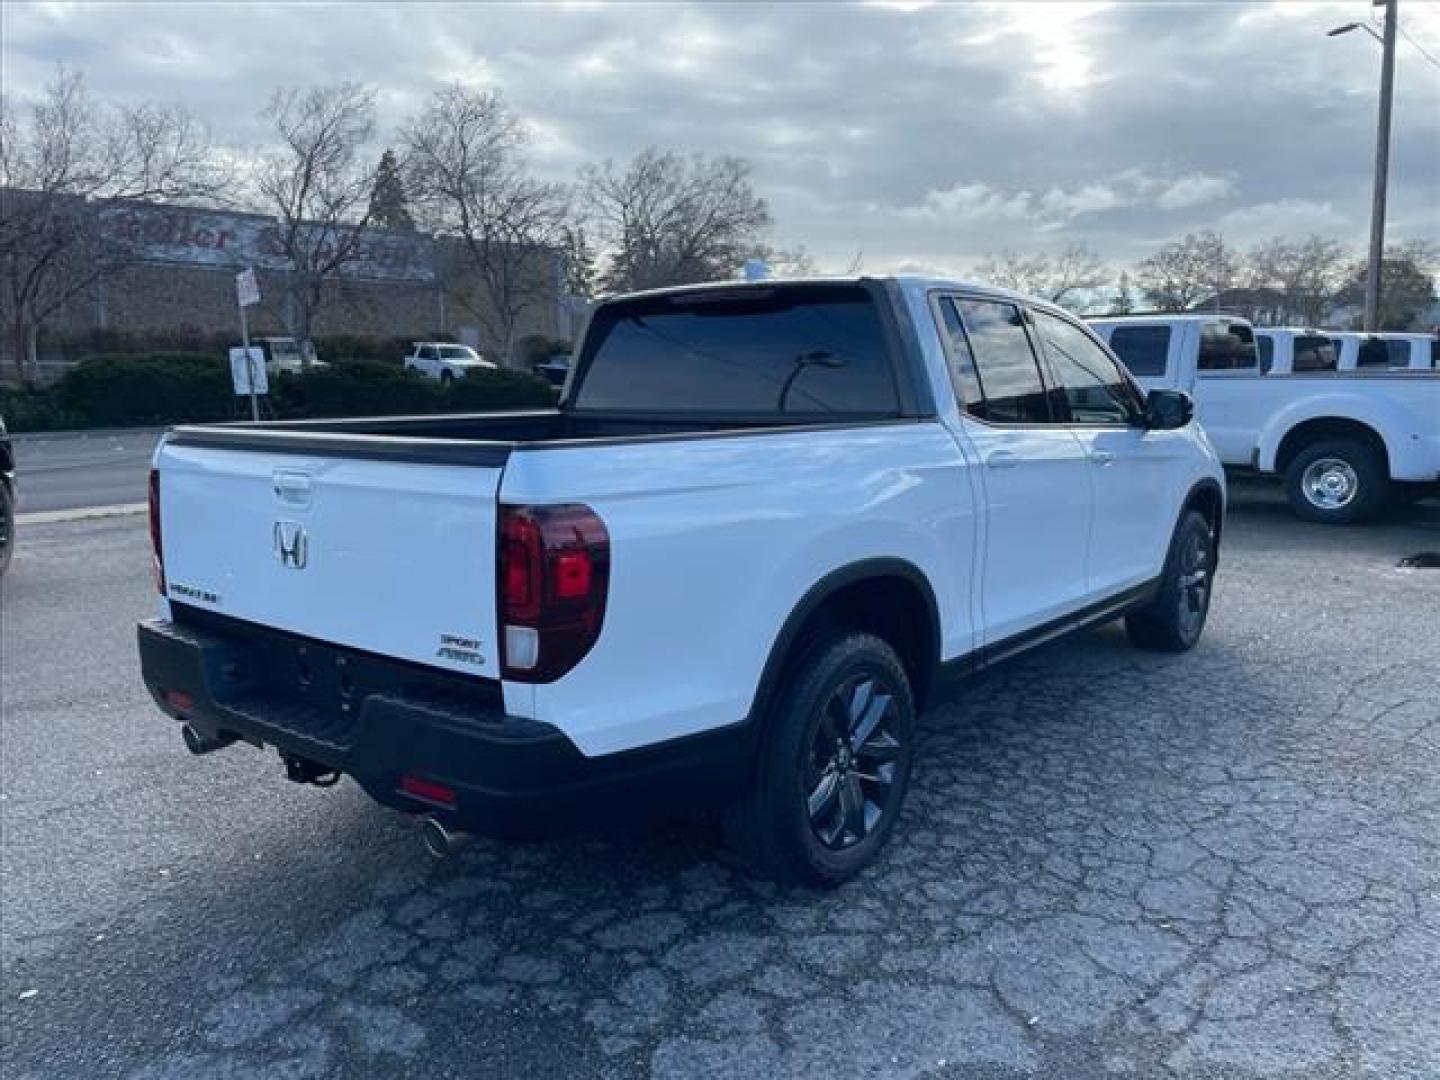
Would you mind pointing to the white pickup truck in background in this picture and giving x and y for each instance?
(1401, 351)
(1344, 442)
(767, 524)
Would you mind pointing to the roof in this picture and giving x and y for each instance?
(1167, 317)
(922, 282)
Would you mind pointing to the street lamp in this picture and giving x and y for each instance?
(1382, 155)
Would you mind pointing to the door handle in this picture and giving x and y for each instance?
(1002, 459)
(1101, 457)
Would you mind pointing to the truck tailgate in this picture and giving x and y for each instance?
(390, 556)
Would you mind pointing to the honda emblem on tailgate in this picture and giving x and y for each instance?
(290, 544)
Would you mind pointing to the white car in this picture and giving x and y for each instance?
(1396, 351)
(1345, 442)
(767, 525)
(445, 361)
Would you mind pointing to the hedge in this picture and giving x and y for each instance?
(171, 388)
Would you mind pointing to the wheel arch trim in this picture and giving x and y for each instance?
(823, 590)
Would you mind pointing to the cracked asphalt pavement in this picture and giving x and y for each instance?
(1112, 864)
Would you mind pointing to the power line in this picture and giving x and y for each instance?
(1420, 48)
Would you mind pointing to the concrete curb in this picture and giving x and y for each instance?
(81, 513)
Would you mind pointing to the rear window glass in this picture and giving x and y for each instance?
(1313, 353)
(790, 350)
(1142, 349)
(1227, 347)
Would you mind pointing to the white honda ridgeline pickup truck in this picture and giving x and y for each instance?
(767, 524)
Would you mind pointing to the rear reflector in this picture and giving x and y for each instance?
(428, 790)
(178, 699)
(157, 551)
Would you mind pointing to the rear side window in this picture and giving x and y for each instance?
(1399, 353)
(960, 358)
(1005, 365)
(1265, 349)
(1227, 347)
(1373, 353)
(789, 350)
(1142, 349)
(1314, 353)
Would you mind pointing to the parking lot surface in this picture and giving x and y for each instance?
(1222, 864)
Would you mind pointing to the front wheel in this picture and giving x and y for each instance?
(1337, 481)
(834, 764)
(1175, 618)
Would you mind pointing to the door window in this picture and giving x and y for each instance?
(1142, 349)
(1095, 390)
(1227, 347)
(1313, 353)
(1007, 374)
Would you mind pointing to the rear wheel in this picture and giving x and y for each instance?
(1337, 481)
(834, 767)
(1175, 619)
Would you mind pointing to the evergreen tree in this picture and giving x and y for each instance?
(579, 263)
(1122, 303)
(387, 197)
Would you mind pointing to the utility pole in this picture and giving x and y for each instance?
(1382, 168)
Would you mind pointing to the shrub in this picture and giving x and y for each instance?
(486, 390)
(171, 388)
(361, 388)
(154, 388)
(349, 348)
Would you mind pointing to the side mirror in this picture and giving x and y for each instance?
(1166, 410)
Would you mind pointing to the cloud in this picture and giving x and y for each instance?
(910, 131)
(1282, 217)
(1197, 189)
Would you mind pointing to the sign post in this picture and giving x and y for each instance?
(247, 294)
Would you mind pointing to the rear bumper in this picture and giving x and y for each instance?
(380, 720)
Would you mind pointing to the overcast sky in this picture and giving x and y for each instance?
(919, 135)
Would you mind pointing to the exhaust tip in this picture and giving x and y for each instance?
(439, 841)
(197, 742)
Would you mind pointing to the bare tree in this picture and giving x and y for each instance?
(670, 220)
(1306, 273)
(469, 177)
(67, 165)
(1198, 266)
(318, 187)
(1061, 279)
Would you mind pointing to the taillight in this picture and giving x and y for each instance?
(157, 551)
(554, 574)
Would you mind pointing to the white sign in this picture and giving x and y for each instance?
(240, 371)
(247, 289)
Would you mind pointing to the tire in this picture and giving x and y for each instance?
(1174, 620)
(1337, 482)
(846, 682)
(7, 526)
